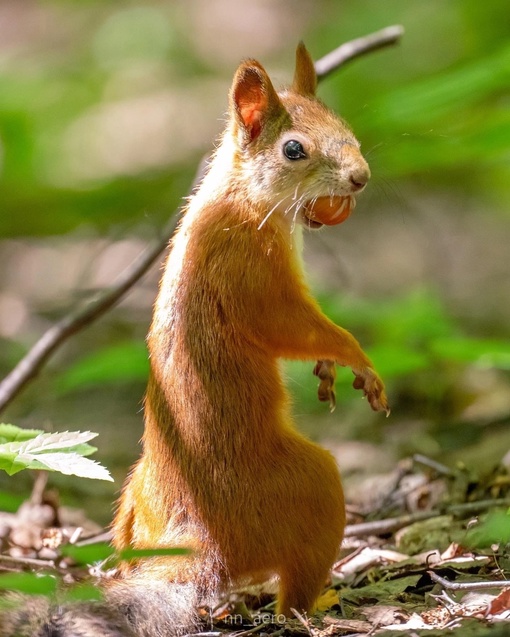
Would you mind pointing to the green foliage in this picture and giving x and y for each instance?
(432, 114)
(405, 337)
(52, 584)
(34, 449)
(494, 528)
(10, 502)
(118, 363)
(91, 553)
(30, 583)
(461, 102)
(431, 119)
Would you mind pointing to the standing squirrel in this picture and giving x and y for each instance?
(223, 471)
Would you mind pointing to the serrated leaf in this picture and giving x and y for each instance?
(42, 443)
(11, 433)
(10, 463)
(63, 451)
(70, 464)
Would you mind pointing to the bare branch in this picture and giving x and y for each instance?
(31, 364)
(390, 525)
(355, 48)
(467, 586)
(35, 359)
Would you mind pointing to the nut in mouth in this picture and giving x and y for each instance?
(327, 210)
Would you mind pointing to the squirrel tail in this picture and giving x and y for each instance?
(131, 608)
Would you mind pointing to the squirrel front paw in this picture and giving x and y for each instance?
(373, 388)
(326, 373)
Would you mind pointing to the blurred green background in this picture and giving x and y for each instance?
(106, 107)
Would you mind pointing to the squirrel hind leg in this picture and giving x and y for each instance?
(301, 584)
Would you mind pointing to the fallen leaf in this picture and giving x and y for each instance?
(380, 615)
(328, 599)
(501, 603)
(335, 625)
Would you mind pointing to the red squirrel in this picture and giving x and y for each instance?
(223, 471)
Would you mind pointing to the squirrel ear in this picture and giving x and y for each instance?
(305, 77)
(252, 98)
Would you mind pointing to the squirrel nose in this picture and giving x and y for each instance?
(359, 178)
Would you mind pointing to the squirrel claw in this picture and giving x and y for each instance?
(373, 388)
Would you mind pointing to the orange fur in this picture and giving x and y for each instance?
(223, 470)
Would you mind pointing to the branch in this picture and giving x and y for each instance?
(390, 525)
(355, 48)
(467, 586)
(32, 363)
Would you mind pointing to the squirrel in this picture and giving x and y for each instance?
(223, 471)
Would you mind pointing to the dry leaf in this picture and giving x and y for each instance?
(380, 615)
(501, 604)
(328, 599)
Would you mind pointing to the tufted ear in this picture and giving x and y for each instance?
(305, 77)
(253, 99)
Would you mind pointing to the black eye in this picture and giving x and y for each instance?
(294, 150)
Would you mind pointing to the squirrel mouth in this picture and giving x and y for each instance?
(328, 211)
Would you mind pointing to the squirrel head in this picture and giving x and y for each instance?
(293, 155)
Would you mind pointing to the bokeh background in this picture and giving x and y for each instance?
(106, 108)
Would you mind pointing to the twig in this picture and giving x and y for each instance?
(467, 586)
(251, 631)
(467, 508)
(32, 363)
(390, 525)
(31, 562)
(433, 464)
(102, 536)
(211, 633)
(306, 623)
(353, 49)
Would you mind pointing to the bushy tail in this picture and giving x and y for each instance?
(156, 609)
(132, 608)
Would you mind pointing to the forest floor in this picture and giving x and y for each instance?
(423, 555)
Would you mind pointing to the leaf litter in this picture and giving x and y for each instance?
(427, 556)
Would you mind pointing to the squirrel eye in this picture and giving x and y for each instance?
(294, 150)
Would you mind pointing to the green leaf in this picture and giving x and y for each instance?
(82, 593)
(61, 452)
(10, 462)
(130, 554)
(381, 590)
(31, 583)
(101, 551)
(11, 433)
(88, 554)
